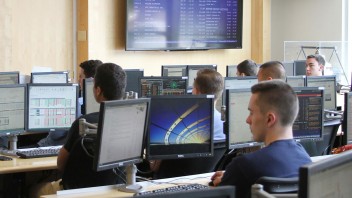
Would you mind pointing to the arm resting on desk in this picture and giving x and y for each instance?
(62, 159)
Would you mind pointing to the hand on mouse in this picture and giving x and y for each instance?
(216, 178)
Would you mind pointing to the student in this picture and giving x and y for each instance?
(273, 108)
(247, 68)
(87, 70)
(315, 65)
(209, 81)
(271, 70)
(109, 84)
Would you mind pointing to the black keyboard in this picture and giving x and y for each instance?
(38, 152)
(179, 188)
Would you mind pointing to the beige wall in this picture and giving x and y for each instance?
(106, 41)
(36, 33)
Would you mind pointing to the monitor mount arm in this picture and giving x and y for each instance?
(86, 128)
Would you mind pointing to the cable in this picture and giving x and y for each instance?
(84, 147)
(117, 174)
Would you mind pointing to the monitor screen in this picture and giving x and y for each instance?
(296, 81)
(174, 70)
(347, 120)
(289, 68)
(299, 67)
(329, 83)
(9, 78)
(49, 77)
(329, 177)
(180, 127)
(192, 72)
(183, 25)
(133, 76)
(244, 82)
(238, 131)
(51, 106)
(12, 109)
(89, 102)
(121, 133)
(154, 86)
(309, 122)
(231, 71)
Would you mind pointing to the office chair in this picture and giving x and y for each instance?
(79, 171)
(276, 185)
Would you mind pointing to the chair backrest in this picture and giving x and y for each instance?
(279, 185)
(79, 171)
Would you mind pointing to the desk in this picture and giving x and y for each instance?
(18, 165)
(111, 191)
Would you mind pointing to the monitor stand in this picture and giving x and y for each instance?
(12, 139)
(130, 186)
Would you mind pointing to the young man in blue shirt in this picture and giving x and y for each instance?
(273, 107)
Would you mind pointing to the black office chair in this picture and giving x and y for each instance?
(190, 166)
(79, 171)
(276, 185)
(324, 146)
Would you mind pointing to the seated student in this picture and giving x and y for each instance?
(211, 82)
(273, 108)
(271, 70)
(109, 84)
(247, 68)
(87, 71)
(315, 65)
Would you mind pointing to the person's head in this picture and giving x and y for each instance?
(315, 65)
(87, 70)
(271, 70)
(208, 81)
(247, 68)
(273, 109)
(109, 82)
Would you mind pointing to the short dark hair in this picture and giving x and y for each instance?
(89, 67)
(209, 81)
(278, 96)
(248, 67)
(320, 59)
(273, 69)
(111, 79)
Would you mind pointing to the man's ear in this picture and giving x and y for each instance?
(269, 78)
(271, 119)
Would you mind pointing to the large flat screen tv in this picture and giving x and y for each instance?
(183, 24)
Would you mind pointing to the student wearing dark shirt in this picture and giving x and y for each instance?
(273, 108)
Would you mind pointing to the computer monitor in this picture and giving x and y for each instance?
(180, 127)
(289, 68)
(238, 132)
(299, 67)
(153, 86)
(174, 70)
(309, 122)
(329, 177)
(89, 102)
(231, 70)
(296, 81)
(243, 82)
(120, 137)
(9, 78)
(192, 72)
(329, 83)
(49, 77)
(347, 119)
(133, 76)
(51, 106)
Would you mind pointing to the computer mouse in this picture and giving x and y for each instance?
(4, 158)
(211, 183)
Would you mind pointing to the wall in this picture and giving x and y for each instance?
(304, 20)
(36, 33)
(106, 41)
